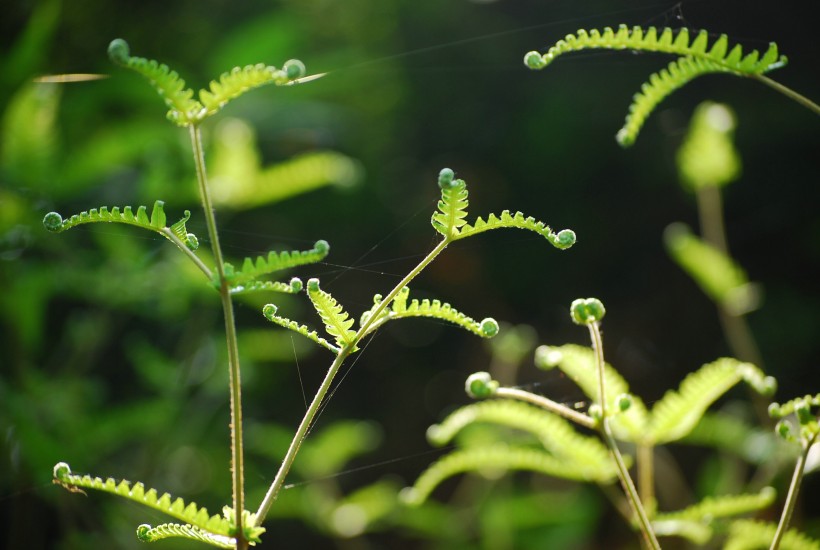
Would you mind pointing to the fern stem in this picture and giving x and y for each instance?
(646, 474)
(623, 472)
(791, 498)
(310, 414)
(188, 252)
(547, 404)
(237, 452)
(788, 92)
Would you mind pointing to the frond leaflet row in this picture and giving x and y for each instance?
(269, 311)
(274, 261)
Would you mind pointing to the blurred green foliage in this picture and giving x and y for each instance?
(111, 356)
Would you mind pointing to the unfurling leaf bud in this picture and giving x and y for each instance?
(118, 51)
(565, 238)
(480, 385)
(445, 178)
(587, 311)
(321, 246)
(534, 60)
(269, 310)
(313, 285)
(294, 69)
(624, 401)
(489, 327)
(52, 221)
(296, 285)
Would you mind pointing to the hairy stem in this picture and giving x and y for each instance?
(788, 92)
(237, 451)
(791, 498)
(546, 403)
(310, 414)
(623, 472)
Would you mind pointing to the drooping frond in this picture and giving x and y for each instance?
(748, 534)
(269, 311)
(696, 58)
(555, 434)
(233, 84)
(579, 364)
(400, 309)
(147, 533)
(55, 223)
(677, 412)
(501, 458)
(452, 209)
(274, 261)
(561, 240)
(717, 274)
(658, 87)
(722, 506)
(183, 109)
(336, 319)
(176, 508)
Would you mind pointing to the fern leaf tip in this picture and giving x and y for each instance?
(313, 285)
(489, 327)
(294, 69)
(143, 533)
(119, 52)
(269, 310)
(445, 178)
(61, 471)
(480, 385)
(321, 246)
(53, 221)
(534, 60)
(586, 311)
(296, 285)
(565, 239)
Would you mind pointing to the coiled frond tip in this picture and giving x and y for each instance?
(296, 285)
(534, 60)
(52, 221)
(585, 311)
(313, 285)
(294, 69)
(321, 246)
(480, 385)
(489, 327)
(565, 239)
(119, 51)
(445, 178)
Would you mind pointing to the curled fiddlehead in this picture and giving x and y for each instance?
(184, 110)
(400, 309)
(696, 58)
(55, 223)
(199, 525)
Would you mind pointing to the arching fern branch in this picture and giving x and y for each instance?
(202, 526)
(184, 110)
(274, 261)
(269, 311)
(177, 233)
(400, 309)
(452, 209)
(500, 458)
(696, 58)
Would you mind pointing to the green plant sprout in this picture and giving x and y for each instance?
(696, 59)
(240, 530)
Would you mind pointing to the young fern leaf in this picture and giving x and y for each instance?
(269, 311)
(183, 109)
(274, 261)
(239, 80)
(561, 240)
(696, 59)
(487, 328)
(452, 208)
(748, 534)
(502, 458)
(336, 319)
(146, 533)
(197, 518)
(677, 413)
(555, 434)
(55, 223)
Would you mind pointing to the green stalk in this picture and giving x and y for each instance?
(791, 498)
(237, 451)
(623, 472)
(788, 92)
(547, 404)
(310, 414)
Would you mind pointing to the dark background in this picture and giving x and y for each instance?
(112, 362)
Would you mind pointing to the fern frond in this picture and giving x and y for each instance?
(183, 109)
(269, 311)
(55, 223)
(696, 59)
(648, 40)
(487, 328)
(336, 319)
(498, 458)
(452, 209)
(147, 533)
(722, 506)
(778, 411)
(747, 534)
(239, 80)
(579, 364)
(176, 508)
(274, 261)
(293, 287)
(555, 434)
(659, 86)
(679, 411)
(693, 531)
(561, 240)
(716, 273)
